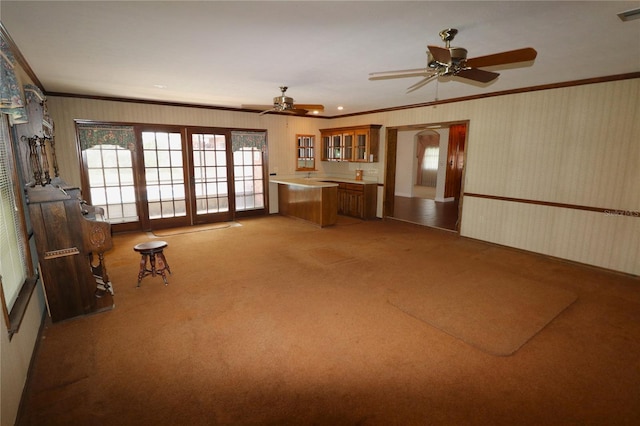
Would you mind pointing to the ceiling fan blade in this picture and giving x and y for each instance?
(297, 111)
(312, 107)
(476, 74)
(416, 72)
(266, 111)
(421, 83)
(440, 54)
(512, 56)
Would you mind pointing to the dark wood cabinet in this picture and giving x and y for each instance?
(357, 200)
(357, 144)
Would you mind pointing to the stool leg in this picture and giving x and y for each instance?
(164, 261)
(143, 267)
(152, 260)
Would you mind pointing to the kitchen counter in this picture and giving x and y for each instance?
(308, 199)
(308, 182)
(318, 181)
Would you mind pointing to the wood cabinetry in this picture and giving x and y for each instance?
(357, 200)
(316, 204)
(358, 143)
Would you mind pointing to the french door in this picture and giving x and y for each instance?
(182, 175)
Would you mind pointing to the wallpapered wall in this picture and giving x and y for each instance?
(575, 145)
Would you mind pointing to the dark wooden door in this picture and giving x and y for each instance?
(455, 160)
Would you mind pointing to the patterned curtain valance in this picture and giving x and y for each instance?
(11, 99)
(91, 135)
(257, 140)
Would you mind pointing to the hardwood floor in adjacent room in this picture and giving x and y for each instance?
(427, 212)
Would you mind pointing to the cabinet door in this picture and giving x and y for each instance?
(348, 143)
(361, 146)
(326, 147)
(337, 147)
(332, 147)
(343, 205)
(305, 152)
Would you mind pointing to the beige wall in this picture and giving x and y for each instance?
(575, 145)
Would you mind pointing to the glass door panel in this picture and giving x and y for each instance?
(164, 176)
(248, 181)
(210, 177)
(347, 152)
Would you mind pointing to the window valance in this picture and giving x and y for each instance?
(257, 140)
(91, 135)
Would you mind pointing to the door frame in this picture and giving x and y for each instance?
(388, 193)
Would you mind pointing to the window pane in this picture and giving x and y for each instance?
(164, 158)
(148, 141)
(128, 194)
(175, 141)
(96, 178)
(126, 176)
(111, 177)
(94, 157)
(153, 192)
(154, 210)
(162, 140)
(98, 196)
(150, 159)
(113, 195)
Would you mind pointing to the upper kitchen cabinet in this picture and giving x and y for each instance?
(358, 143)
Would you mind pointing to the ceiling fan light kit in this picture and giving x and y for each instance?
(451, 61)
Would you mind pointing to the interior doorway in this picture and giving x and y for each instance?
(424, 174)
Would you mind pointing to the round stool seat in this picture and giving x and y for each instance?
(151, 252)
(151, 246)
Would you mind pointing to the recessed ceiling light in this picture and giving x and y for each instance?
(159, 86)
(340, 108)
(630, 14)
(316, 112)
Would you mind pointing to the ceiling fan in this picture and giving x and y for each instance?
(285, 104)
(452, 61)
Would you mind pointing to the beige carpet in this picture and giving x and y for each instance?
(279, 322)
(497, 313)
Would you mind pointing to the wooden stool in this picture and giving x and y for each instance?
(149, 251)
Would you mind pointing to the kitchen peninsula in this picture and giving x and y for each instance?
(308, 199)
(321, 200)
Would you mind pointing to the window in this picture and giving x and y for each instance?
(248, 166)
(111, 181)
(107, 154)
(15, 272)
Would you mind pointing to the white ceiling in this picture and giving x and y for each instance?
(234, 53)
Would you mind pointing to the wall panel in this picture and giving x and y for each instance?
(575, 145)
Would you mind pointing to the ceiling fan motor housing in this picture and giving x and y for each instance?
(283, 103)
(458, 55)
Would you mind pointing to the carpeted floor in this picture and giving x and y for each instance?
(278, 322)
